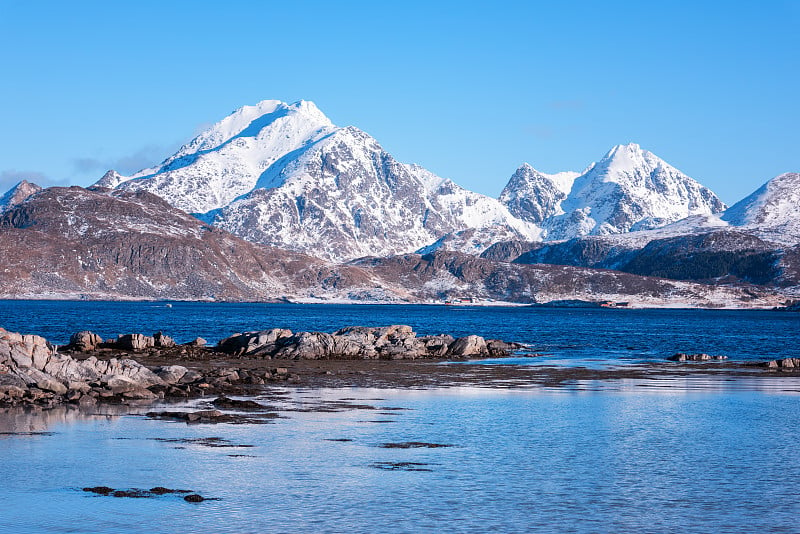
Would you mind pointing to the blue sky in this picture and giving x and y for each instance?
(468, 90)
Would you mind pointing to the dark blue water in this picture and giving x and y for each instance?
(564, 333)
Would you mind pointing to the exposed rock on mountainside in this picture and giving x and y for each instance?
(629, 189)
(345, 197)
(451, 275)
(73, 242)
(535, 196)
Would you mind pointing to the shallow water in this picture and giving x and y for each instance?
(624, 458)
(587, 334)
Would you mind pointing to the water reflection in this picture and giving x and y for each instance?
(635, 455)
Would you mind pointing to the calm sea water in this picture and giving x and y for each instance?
(716, 455)
(636, 460)
(562, 333)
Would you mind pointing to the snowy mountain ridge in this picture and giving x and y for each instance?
(628, 189)
(228, 159)
(284, 175)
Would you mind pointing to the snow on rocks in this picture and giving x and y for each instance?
(628, 189)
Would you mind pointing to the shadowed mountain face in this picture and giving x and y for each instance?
(118, 244)
(710, 257)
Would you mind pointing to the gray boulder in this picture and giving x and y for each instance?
(134, 342)
(84, 341)
(254, 343)
(468, 346)
(171, 374)
(162, 341)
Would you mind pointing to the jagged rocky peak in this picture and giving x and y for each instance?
(227, 160)
(774, 207)
(110, 179)
(629, 189)
(534, 196)
(17, 195)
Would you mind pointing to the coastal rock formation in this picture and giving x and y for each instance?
(699, 357)
(395, 342)
(786, 364)
(31, 368)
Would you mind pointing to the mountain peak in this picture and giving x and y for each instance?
(227, 159)
(629, 189)
(533, 196)
(774, 207)
(17, 195)
(624, 150)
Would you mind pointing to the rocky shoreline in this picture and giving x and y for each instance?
(90, 369)
(136, 368)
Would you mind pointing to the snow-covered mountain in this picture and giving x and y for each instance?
(228, 159)
(17, 195)
(628, 189)
(284, 175)
(345, 197)
(772, 211)
(534, 196)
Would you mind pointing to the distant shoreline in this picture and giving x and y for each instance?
(487, 304)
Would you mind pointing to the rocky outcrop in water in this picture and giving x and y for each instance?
(396, 342)
(786, 364)
(31, 370)
(699, 357)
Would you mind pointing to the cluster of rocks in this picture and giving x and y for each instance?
(87, 341)
(33, 372)
(396, 342)
(699, 357)
(135, 493)
(786, 364)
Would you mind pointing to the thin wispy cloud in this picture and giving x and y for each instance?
(141, 159)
